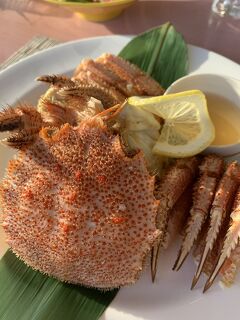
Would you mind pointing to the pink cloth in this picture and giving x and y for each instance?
(19, 22)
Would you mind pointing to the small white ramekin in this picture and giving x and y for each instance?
(215, 84)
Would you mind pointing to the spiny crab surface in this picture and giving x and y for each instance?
(75, 206)
(80, 205)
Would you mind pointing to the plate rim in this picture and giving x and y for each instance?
(77, 42)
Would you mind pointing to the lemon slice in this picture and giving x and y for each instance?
(187, 128)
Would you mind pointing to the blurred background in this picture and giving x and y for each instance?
(21, 20)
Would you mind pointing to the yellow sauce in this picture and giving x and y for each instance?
(226, 119)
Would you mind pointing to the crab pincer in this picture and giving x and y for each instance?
(210, 170)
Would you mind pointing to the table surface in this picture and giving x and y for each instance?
(20, 20)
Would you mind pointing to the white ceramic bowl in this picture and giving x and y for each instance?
(220, 85)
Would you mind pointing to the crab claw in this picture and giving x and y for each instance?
(24, 120)
(220, 207)
(230, 243)
(211, 170)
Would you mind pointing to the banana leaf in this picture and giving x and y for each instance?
(160, 52)
(26, 294)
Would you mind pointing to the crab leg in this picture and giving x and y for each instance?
(114, 71)
(222, 200)
(230, 267)
(172, 186)
(231, 240)
(132, 74)
(178, 215)
(102, 94)
(68, 88)
(100, 73)
(211, 169)
(57, 80)
(25, 122)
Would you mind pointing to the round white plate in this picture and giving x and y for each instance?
(170, 298)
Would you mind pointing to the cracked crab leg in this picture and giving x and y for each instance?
(117, 72)
(230, 243)
(92, 79)
(25, 122)
(179, 215)
(68, 88)
(222, 200)
(171, 187)
(210, 169)
(102, 94)
(100, 73)
(132, 74)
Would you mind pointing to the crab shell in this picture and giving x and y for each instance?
(78, 209)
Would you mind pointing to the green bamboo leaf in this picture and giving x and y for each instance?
(26, 294)
(160, 52)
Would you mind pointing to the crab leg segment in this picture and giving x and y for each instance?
(178, 216)
(25, 121)
(211, 170)
(114, 71)
(56, 80)
(222, 200)
(230, 267)
(132, 74)
(96, 92)
(230, 242)
(101, 73)
(172, 186)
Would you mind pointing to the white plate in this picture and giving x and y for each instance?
(170, 297)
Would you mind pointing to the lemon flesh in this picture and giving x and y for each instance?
(187, 128)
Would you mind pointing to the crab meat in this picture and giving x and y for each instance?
(74, 94)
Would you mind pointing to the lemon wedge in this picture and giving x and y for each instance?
(187, 128)
(140, 130)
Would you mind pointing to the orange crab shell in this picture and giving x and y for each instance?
(77, 208)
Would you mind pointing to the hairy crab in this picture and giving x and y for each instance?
(75, 206)
(80, 205)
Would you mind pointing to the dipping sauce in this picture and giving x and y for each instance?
(226, 119)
